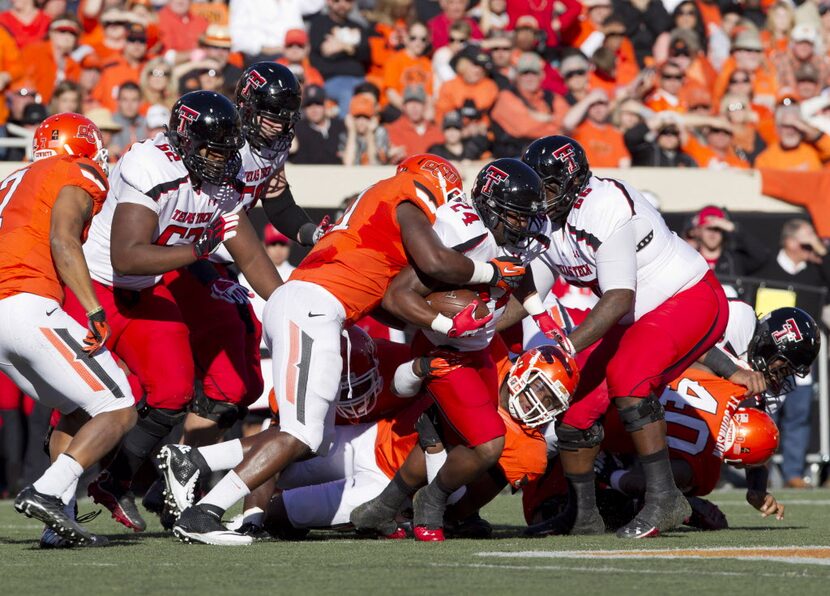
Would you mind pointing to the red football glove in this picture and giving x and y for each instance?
(441, 362)
(99, 331)
(230, 291)
(552, 330)
(215, 233)
(507, 273)
(322, 228)
(465, 323)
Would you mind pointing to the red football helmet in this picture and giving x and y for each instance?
(360, 382)
(752, 438)
(440, 178)
(69, 134)
(541, 384)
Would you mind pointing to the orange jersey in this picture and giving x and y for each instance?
(397, 437)
(358, 258)
(26, 200)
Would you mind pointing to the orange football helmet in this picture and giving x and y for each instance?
(441, 179)
(69, 134)
(541, 384)
(752, 438)
(360, 383)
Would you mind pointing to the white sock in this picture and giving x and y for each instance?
(227, 491)
(253, 515)
(68, 495)
(60, 476)
(434, 463)
(222, 456)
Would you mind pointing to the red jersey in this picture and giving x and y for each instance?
(27, 196)
(357, 259)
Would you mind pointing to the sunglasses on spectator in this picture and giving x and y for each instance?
(418, 38)
(701, 106)
(740, 81)
(458, 39)
(720, 131)
(686, 13)
(807, 247)
(117, 24)
(576, 73)
(136, 40)
(671, 77)
(614, 34)
(158, 72)
(670, 132)
(295, 45)
(501, 48)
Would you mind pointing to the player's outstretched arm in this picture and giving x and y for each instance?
(248, 253)
(607, 312)
(757, 479)
(132, 250)
(70, 214)
(284, 213)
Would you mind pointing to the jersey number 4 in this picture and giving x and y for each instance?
(693, 394)
(7, 188)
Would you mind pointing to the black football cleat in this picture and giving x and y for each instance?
(153, 500)
(181, 476)
(471, 527)
(567, 524)
(374, 515)
(118, 499)
(52, 512)
(661, 513)
(202, 524)
(706, 515)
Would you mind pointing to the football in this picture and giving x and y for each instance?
(452, 301)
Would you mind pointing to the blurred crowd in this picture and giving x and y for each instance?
(666, 83)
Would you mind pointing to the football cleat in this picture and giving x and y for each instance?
(181, 476)
(658, 515)
(472, 527)
(373, 515)
(153, 500)
(425, 534)
(398, 534)
(706, 515)
(119, 500)
(427, 517)
(202, 524)
(51, 511)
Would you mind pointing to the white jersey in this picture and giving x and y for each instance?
(666, 265)
(256, 172)
(151, 174)
(459, 226)
(739, 330)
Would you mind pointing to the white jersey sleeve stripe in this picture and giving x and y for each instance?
(94, 179)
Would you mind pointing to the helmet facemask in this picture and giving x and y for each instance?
(536, 399)
(560, 199)
(518, 227)
(358, 394)
(213, 162)
(268, 132)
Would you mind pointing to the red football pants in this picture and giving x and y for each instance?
(224, 338)
(638, 360)
(150, 336)
(468, 397)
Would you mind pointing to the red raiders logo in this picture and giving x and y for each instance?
(445, 170)
(186, 116)
(493, 176)
(789, 332)
(84, 132)
(254, 80)
(566, 154)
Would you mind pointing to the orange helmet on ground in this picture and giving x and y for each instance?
(360, 382)
(542, 383)
(69, 134)
(440, 180)
(752, 438)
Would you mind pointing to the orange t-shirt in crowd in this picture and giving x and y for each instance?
(764, 82)
(513, 115)
(25, 34)
(180, 33)
(603, 144)
(402, 69)
(810, 190)
(381, 48)
(10, 63)
(455, 92)
(708, 158)
(804, 158)
(402, 133)
(212, 12)
(358, 258)
(27, 198)
(113, 75)
(40, 67)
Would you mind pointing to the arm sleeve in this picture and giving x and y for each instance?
(543, 277)
(406, 383)
(130, 184)
(285, 215)
(617, 260)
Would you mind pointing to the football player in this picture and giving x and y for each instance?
(342, 279)
(660, 309)
(505, 218)
(174, 199)
(45, 211)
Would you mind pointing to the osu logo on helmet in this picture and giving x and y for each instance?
(436, 174)
(752, 438)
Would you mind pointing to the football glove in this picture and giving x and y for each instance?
(465, 323)
(441, 362)
(230, 291)
(215, 233)
(507, 273)
(99, 331)
(548, 325)
(427, 432)
(309, 234)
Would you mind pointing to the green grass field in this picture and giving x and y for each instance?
(773, 560)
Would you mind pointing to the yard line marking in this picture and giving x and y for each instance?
(784, 500)
(620, 570)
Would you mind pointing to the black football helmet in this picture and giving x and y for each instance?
(206, 132)
(563, 167)
(786, 343)
(268, 97)
(510, 193)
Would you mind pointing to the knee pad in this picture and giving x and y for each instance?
(636, 417)
(225, 414)
(158, 422)
(574, 439)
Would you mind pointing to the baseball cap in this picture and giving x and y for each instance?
(157, 116)
(362, 105)
(414, 93)
(707, 213)
(452, 120)
(529, 62)
(572, 63)
(296, 37)
(804, 32)
(807, 72)
(34, 113)
(474, 54)
(102, 118)
(314, 95)
(527, 22)
(270, 235)
(748, 39)
(136, 32)
(65, 24)
(216, 36)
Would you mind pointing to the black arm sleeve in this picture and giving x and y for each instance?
(285, 215)
(720, 363)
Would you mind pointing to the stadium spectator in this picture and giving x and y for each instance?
(11, 70)
(807, 81)
(799, 147)
(472, 87)
(156, 84)
(46, 63)
(412, 132)
(747, 55)
(19, 95)
(179, 27)
(442, 57)
(66, 98)
(388, 24)
(529, 37)
(111, 43)
(258, 27)
(500, 46)
(452, 11)
(717, 150)
(25, 22)
(295, 57)
(318, 138)
(33, 115)
(553, 18)
(644, 21)
(780, 22)
(525, 111)
(686, 24)
(278, 247)
(409, 66)
(575, 69)
(685, 51)
(727, 248)
(802, 259)
(123, 68)
(588, 123)
(88, 79)
(804, 50)
(668, 96)
(492, 16)
(615, 43)
(656, 143)
(455, 147)
(367, 143)
(747, 143)
(586, 33)
(102, 118)
(216, 44)
(128, 117)
(157, 118)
